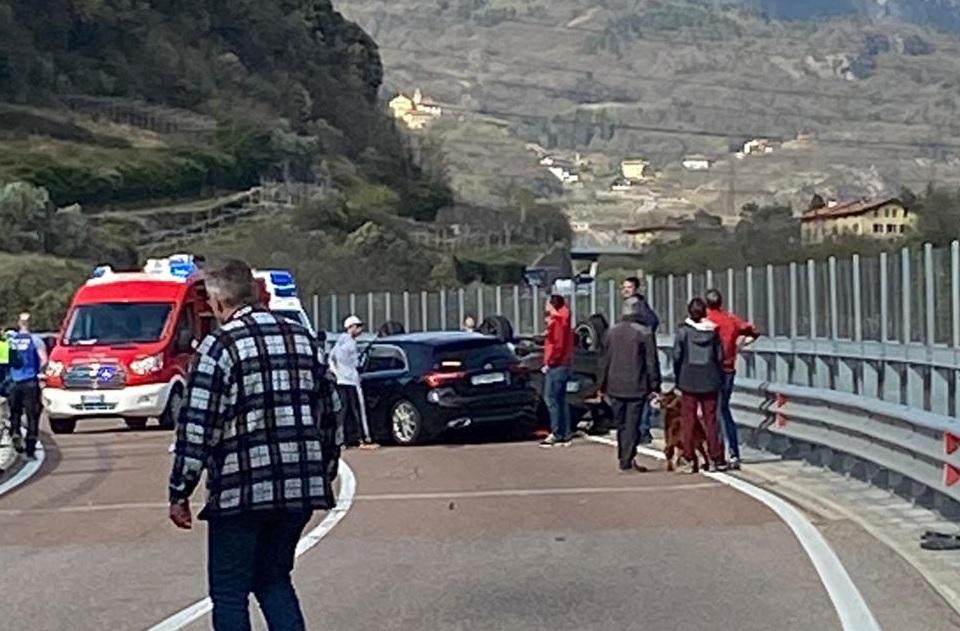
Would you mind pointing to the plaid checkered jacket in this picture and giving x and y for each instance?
(258, 416)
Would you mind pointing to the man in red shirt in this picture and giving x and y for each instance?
(557, 362)
(734, 334)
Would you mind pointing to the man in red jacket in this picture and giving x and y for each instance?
(734, 331)
(557, 362)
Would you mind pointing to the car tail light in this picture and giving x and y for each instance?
(439, 379)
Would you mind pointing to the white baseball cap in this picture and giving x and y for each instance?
(352, 321)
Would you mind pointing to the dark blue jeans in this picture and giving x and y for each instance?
(254, 553)
(555, 396)
(645, 435)
(726, 415)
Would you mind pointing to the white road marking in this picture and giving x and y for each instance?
(25, 473)
(348, 490)
(851, 608)
(391, 497)
(599, 490)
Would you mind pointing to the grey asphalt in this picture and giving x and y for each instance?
(477, 536)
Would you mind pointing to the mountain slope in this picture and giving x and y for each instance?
(661, 79)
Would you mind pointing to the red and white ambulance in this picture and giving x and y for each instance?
(126, 344)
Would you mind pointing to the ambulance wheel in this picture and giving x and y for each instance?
(63, 425)
(168, 420)
(136, 423)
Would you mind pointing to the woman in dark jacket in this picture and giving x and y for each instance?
(698, 370)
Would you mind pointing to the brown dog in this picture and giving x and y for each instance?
(672, 424)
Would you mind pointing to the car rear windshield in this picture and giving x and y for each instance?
(473, 355)
(117, 323)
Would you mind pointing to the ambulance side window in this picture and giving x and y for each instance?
(184, 334)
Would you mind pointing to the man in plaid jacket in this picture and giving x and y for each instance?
(258, 417)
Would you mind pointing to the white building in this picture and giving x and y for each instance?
(696, 163)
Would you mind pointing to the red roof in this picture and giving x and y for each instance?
(856, 207)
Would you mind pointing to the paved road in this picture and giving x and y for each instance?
(477, 536)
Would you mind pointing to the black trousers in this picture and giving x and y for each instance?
(254, 553)
(25, 399)
(625, 415)
(350, 419)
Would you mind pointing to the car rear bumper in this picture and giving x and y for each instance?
(146, 400)
(457, 411)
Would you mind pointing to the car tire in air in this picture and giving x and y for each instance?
(63, 425)
(497, 326)
(590, 334)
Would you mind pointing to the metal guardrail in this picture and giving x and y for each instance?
(893, 446)
(889, 444)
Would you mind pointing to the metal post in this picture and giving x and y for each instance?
(535, 310)
(905, 291)
(424, 315)
(406, 311)
(955, 292)
(443, 309)
(316, 312)
(750, 314)
(353, 304)
(387, 306)
(709, 279)
(771, 305)
(651, 281)
(498, 299)
(480, 297)
(671, 305)
(857, 301)
(884, 299)
(794, 303)
(730, 301)
(334, 313)
(370, 313)
(689, 287)
(929, 289)
(573, 306)
(593, 297)
(812, 296)
(834, 306)
(516, 308)
(461, 307)
(611, 301)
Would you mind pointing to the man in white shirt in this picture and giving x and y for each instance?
(345, 364)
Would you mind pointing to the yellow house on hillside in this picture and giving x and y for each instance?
(879, 218)
(634, 169)
(414, 111)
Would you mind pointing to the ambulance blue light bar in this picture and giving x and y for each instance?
(284, 285)
(100, 271)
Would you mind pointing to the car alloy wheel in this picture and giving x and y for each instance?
(405, 423)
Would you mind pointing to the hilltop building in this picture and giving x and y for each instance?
(884, 218)
(416, 111)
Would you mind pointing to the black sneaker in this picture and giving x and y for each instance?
(646, 440)
(734, 464)
(719, 467)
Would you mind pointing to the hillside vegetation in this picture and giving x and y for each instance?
(112, 105)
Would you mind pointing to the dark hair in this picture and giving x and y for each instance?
(714, 299)
(697, 309)
(633, 280)
(557, 301)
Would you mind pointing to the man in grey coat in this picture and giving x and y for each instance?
(629, 375)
